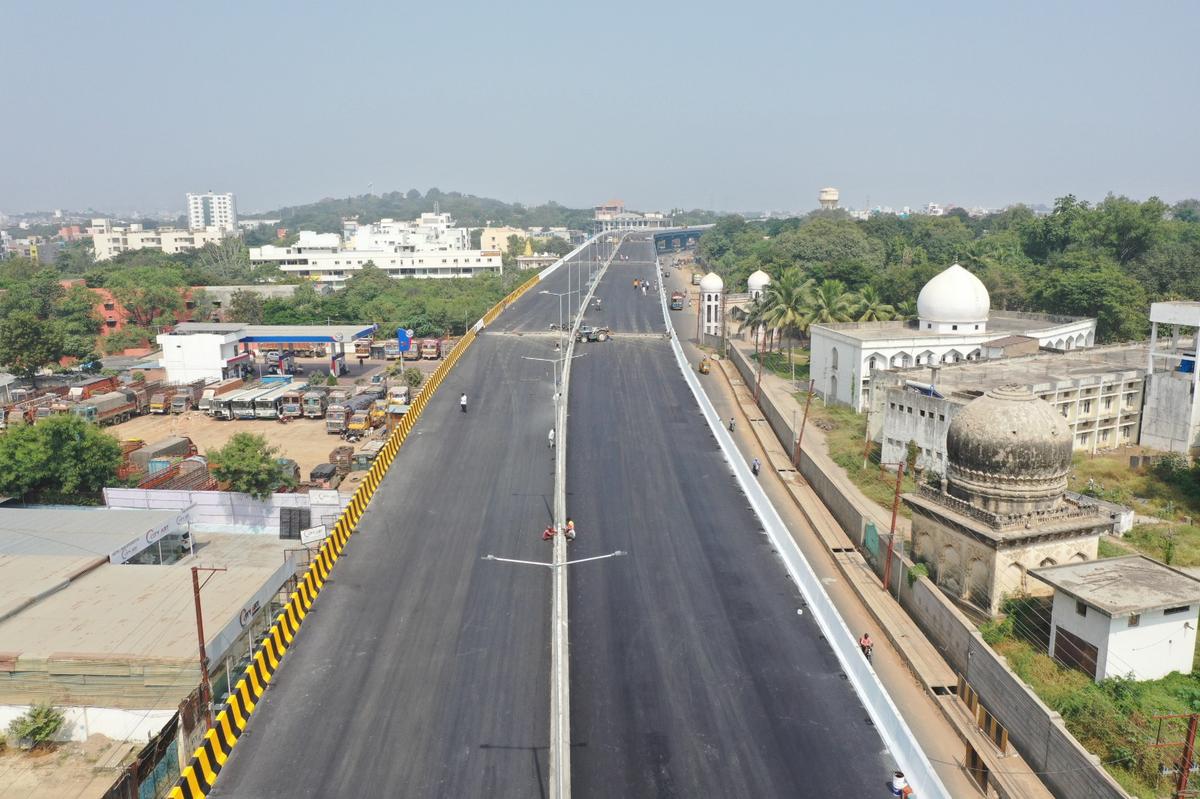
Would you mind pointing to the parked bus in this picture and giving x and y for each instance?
(266, 406)
(243, 404)
(222, 404)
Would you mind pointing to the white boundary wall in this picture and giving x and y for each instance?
(81, 722)
(226, 511)
(888, 721)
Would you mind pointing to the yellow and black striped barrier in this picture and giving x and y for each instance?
(201, 772)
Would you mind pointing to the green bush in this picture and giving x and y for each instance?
(917, 571)
(37, 726)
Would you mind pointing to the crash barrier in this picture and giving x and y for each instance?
(207, 761)
(884, 714)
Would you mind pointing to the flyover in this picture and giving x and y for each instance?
(423, 672)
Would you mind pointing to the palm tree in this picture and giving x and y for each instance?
(872, 308)
(787, 302)
(831, 302)
(907, 310)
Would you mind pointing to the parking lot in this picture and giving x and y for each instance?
(303, 440)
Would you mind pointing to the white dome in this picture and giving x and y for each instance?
(712, 282)
(954, 296)
(758, 281)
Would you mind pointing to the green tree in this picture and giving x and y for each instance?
(413, 377)
(38, 725)
(60, 459)
(248, 464)
(28, 343)
(830, 302)
(788, 300)
(150, 295)
(226, 262)
(246, 306)
(871, 308)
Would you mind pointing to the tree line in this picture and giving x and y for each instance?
(1109, 260)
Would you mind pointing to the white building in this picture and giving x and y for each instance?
(426, 247)
(954, 323)
(213, 351)
(1097, 391)
(613, 216)
(1172, 399)
(712, 290)
(109, 240)
(429, 233)
(1122, 617)
(212, 211)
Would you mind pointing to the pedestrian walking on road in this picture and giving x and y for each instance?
(731, 422)
(551, 436)
(462, 402)
(755, 465)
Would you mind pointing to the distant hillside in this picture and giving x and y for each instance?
(326, 215)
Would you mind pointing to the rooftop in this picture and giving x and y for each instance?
(1040, 371)
(999, 322)
(1125, 585)
(125, 634)
(279, 333)
(1005, 341)
(93, 533)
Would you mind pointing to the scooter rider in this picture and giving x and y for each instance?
(866, 645)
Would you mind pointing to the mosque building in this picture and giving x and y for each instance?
(955, 323)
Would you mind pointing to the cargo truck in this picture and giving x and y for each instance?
(676, 300)
(291, 403)
(413, 353)
(104, 409)
(314, 404)
(159, 402)
(362, 348)
(391, 349)
(187, 397)
(337, 416)
(431, 349)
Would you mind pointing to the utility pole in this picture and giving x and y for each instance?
(1187, 757)
(887, 565)
(205, 685)
(803, 423)
(867, 439)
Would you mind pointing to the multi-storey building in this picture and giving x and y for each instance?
(426, 247)
(109, 240)
(212, 211)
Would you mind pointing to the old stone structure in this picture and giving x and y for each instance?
(1001, 509)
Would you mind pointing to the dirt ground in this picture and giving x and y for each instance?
(303, 440)
(69, 770)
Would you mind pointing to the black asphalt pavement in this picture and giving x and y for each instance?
(691, 673)
(423, 670)
(535, 311)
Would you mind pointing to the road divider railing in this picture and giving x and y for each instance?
(199, 776)
(894, 731)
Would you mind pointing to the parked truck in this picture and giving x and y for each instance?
(391, 349)
(431, 349)
(187, 397)
(413, 353)
(337, 417)
(91, 387)
(362, 348)
(111, 407)
(291, 403)
(159, 402)
(314, 404)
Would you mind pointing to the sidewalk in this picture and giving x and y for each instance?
(919, 681)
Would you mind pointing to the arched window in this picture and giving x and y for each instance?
(834, 358)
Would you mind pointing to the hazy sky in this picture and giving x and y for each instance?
(744, 105)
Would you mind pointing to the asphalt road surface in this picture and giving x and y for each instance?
(535, 311)
(423, 671)
(691, 672)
